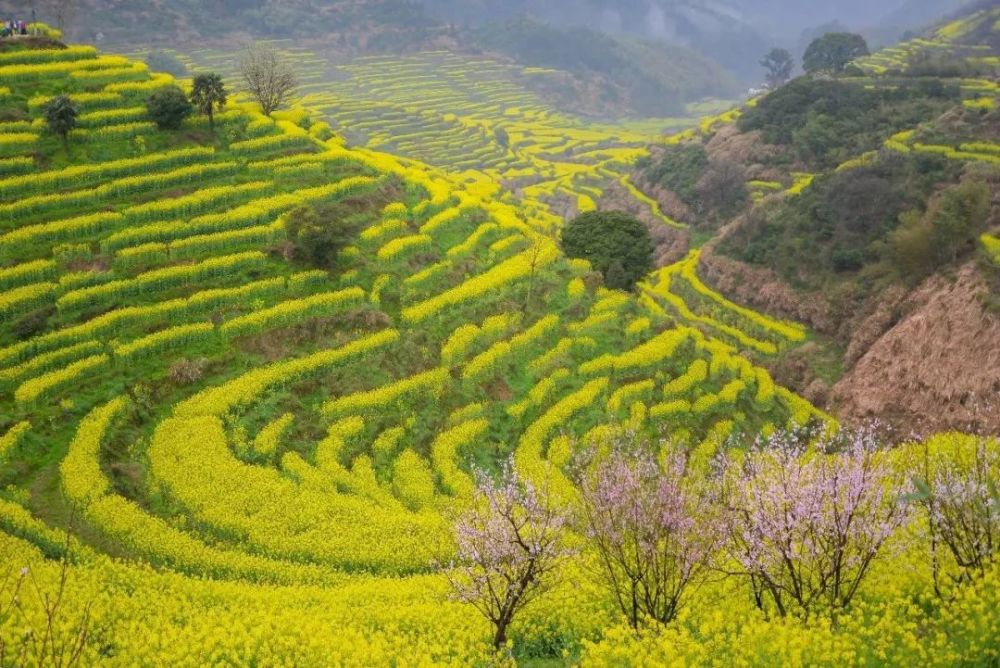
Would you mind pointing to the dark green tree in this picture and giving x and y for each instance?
(616, 244)
(833, 52)
(778, 64)
(208, 93)
(60, 114)
(317, 235)
(168, 107)
(502, 138)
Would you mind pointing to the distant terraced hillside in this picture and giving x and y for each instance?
(477, 115)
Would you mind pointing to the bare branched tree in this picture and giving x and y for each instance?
(63, 13)
(270, 80)
(57, 641)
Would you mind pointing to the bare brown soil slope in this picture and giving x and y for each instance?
(938, 368)
(921, 362)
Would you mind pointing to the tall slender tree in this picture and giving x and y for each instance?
(208, 94)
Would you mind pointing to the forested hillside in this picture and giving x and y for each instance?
(863, 191)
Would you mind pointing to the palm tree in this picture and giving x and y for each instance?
(207, 94)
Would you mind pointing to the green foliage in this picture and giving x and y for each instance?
(947, 231)
(168, 107)
(841, 223)
(60, 115)
(318, 234)
(615, 243)
(208, 94)
(679, 170)
(778, 65)
(833, 52)
(502, 137)
(827, 122)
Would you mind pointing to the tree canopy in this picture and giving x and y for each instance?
(208, 94)
(833, 52)
(318, 234)
(615, 243)
(778, 64)
(168, 107)
(60, 115)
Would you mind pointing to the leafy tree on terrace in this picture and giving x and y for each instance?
(208, 94)
(269, 79)
(168, 107)
(318, 235)
(833, 52)
(615, 243)
(60, 114)
(779, 65)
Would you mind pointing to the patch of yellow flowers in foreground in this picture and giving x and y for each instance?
(366, 620)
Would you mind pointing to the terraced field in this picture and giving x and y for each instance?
(451, 112)
(204, 406)
(246, 461)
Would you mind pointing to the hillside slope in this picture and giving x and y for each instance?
(207, 416)
(861, 205)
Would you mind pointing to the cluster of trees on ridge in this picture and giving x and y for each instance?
(269, 80)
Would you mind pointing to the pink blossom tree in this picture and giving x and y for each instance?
(510, 545)
(805, 527)
(650, 532)
(962, 502)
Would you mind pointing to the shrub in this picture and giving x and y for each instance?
(168, 107)
(615, 243)
(161, 61)
(317, 238)
(948, 230)
(679, 170)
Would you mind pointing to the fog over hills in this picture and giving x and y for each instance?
(732, 33)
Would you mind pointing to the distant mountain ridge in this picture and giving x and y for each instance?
(733, 33)
(647, 57)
